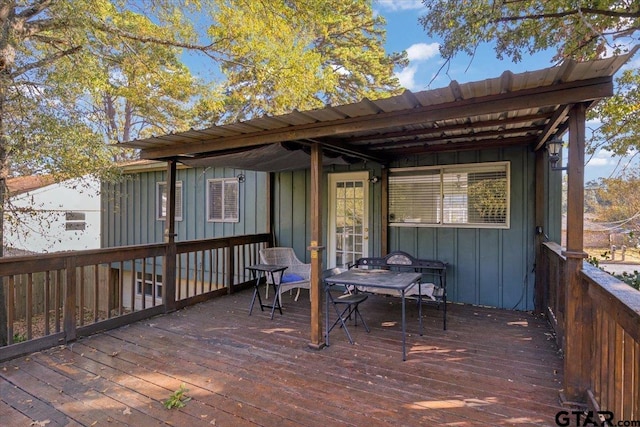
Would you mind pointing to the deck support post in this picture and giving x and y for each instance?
(578, 310)
(169, 265)
(316, 248)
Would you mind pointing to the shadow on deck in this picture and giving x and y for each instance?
(491, 367)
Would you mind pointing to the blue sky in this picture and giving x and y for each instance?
(405, 33)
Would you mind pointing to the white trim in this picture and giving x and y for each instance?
(462, 168)
(224, 181)
(179, 198)
(333, 178)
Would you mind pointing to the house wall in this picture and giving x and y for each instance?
(43, 226)
(492, 267)
(130, 207)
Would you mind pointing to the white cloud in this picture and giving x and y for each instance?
(400, 4)
(422, 51)
(407, 77)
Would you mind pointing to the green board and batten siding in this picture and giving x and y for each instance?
(492, 267)
(130, 215)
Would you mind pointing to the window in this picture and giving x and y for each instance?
(149, 284)
(75, 221)
(161, 198)
(223, 200)
(474, 195)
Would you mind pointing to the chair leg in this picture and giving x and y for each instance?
(349, 311)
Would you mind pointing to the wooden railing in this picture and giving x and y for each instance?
(612, 371)
(55, 298)
(553, 269)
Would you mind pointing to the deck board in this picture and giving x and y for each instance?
(491, 367)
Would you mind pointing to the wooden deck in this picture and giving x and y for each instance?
(491, 367)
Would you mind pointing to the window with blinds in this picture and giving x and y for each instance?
(161, 198)
(459, 195)
(223, 201)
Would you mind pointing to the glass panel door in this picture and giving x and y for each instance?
(348, 218)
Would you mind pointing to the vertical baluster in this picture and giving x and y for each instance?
(29, 311)
(201, 268)
(96, 292)
(81, 302)
(144, 283)
(58, 298)
(211, 268)
(179, 281)
(134, 274)
(47, 302)
(153, 282)
(217, 268)
(10, 308)
(121, 290)
(188, 273)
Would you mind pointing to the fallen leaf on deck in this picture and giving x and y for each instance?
(126, 411)
(40, 423)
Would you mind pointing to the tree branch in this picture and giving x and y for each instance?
(34, 10)
(45, 61)
(583, 10)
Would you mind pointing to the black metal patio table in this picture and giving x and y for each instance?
(262, 270)
(376, 278)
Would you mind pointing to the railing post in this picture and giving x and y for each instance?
(578, 314)
(70, 320)
(541, 294)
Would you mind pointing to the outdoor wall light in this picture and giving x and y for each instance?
(554, 145)
(374, 179)
(241, 177)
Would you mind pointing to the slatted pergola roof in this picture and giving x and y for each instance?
(510, 110)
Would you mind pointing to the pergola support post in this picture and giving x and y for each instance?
(542, 282)
(578, 311)
(316, 248)
(169, 265)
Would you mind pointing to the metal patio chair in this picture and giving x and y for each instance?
(345, 305)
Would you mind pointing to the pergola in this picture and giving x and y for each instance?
(524, 109)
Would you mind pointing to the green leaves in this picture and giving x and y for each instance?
(573, 29)
(280, 56)
(177, 399)
(580, 30)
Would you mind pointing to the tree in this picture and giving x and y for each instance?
(608, 194)
(301, 55)
(573, 29)
(75, 74)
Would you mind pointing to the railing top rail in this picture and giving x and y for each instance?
(220, 242)
(555, 248)
(620, 300)
(60, 260)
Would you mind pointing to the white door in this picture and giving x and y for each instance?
(348, 218)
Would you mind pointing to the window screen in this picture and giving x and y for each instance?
(161, 197)
(461, 195)
(223, 200)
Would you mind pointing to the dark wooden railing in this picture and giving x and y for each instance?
(55, 298)
(613, 331)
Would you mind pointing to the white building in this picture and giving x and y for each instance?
(42, 216)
